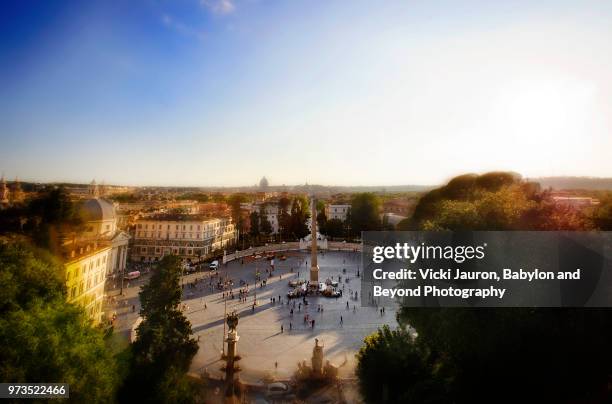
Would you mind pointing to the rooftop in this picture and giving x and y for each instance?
(178, 217)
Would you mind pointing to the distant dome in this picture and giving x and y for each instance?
(98, 209)
(263, 183)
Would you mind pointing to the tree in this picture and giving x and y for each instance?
(51, 216)
(284, 218)
(322, 221)
(45, 339)
(548, 355)
(335, 228)
(254, 230)
(493, 201)
(235, 200)
(603, 215)
(163, 350)
(511, 354)
(265, 226)
(365, 209)
(299, 216)
(392, 368)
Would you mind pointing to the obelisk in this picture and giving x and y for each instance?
(314, 268)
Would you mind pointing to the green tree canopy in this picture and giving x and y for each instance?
(506, 354)
(335, 228)
(299, 215)
(365, 212)
(265, 226)
(45, 339)
(392, 368)
(163, 351)
(254, 228)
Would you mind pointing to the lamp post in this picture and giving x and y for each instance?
(224, 317)
(122, 273)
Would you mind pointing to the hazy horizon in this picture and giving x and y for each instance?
(217, 93)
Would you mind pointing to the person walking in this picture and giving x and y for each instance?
(282, 329)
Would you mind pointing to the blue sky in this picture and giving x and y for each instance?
(221, 92)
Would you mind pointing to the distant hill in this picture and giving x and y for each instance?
(587, 183)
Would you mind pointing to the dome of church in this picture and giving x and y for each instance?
(263, 183)
(98, 209)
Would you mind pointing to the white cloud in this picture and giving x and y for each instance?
(219, 6)
(181, 28)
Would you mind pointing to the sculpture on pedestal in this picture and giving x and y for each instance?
(232, 384)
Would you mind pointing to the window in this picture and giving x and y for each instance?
(73, 292)
(68, 273)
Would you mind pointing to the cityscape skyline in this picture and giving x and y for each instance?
(204, 93)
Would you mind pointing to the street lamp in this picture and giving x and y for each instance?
(224, 317)
(122, 273)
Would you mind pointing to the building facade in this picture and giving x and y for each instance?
(192, 237)
(101, 225)
(339, 212)
(86, 265)
(270, 210)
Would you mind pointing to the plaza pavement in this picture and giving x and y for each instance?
(265, 351)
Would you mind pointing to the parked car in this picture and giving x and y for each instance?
(296, 282)
(214, 265)
(277, 389)
(332, 283)
(297, 292)
(132, 275)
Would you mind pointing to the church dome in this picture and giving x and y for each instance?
(98, 209)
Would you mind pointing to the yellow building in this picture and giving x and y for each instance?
(86, 265)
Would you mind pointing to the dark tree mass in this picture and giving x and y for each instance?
(511, 355)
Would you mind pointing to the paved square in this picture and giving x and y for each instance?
(264, 349)
(262, 345)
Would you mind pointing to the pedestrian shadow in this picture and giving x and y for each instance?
(273, 335)
(245, 313)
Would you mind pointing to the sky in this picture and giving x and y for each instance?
(223, 92)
